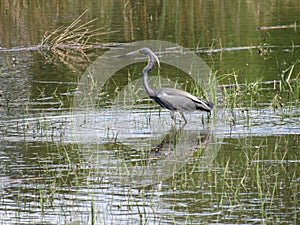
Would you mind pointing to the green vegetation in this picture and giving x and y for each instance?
(231, 189)
(254, 94)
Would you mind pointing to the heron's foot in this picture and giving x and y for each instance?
(172, 113)
(183, 117)
(182, 120)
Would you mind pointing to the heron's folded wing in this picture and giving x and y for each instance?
(175, 99)
(175, 102)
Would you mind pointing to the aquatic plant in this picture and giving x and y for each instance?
(75, 36)
(71, 44)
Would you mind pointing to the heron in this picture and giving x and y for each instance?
(172, 99)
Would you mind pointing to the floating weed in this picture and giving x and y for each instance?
(264, 50)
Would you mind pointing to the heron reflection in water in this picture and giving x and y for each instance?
(173, 99)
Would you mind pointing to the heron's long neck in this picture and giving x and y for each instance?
(145, 72)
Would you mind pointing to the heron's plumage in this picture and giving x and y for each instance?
(170, 98)
(179, 100)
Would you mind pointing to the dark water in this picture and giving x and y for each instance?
(119, 161)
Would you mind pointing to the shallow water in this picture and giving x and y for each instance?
(55, 172)
(118, 159)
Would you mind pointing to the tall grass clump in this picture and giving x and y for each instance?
(76, 35)
(72, 44)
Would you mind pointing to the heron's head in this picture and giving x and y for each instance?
(148, 52)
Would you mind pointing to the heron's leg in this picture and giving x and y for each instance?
(182, 115)
(172, 113)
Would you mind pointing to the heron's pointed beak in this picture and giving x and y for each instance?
(137, 52)
(132, 53)
(127, 54)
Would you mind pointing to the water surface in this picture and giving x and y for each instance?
(122, 162)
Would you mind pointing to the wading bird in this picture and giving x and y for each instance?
(173, 99)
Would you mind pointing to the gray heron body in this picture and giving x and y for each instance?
(173, 99)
